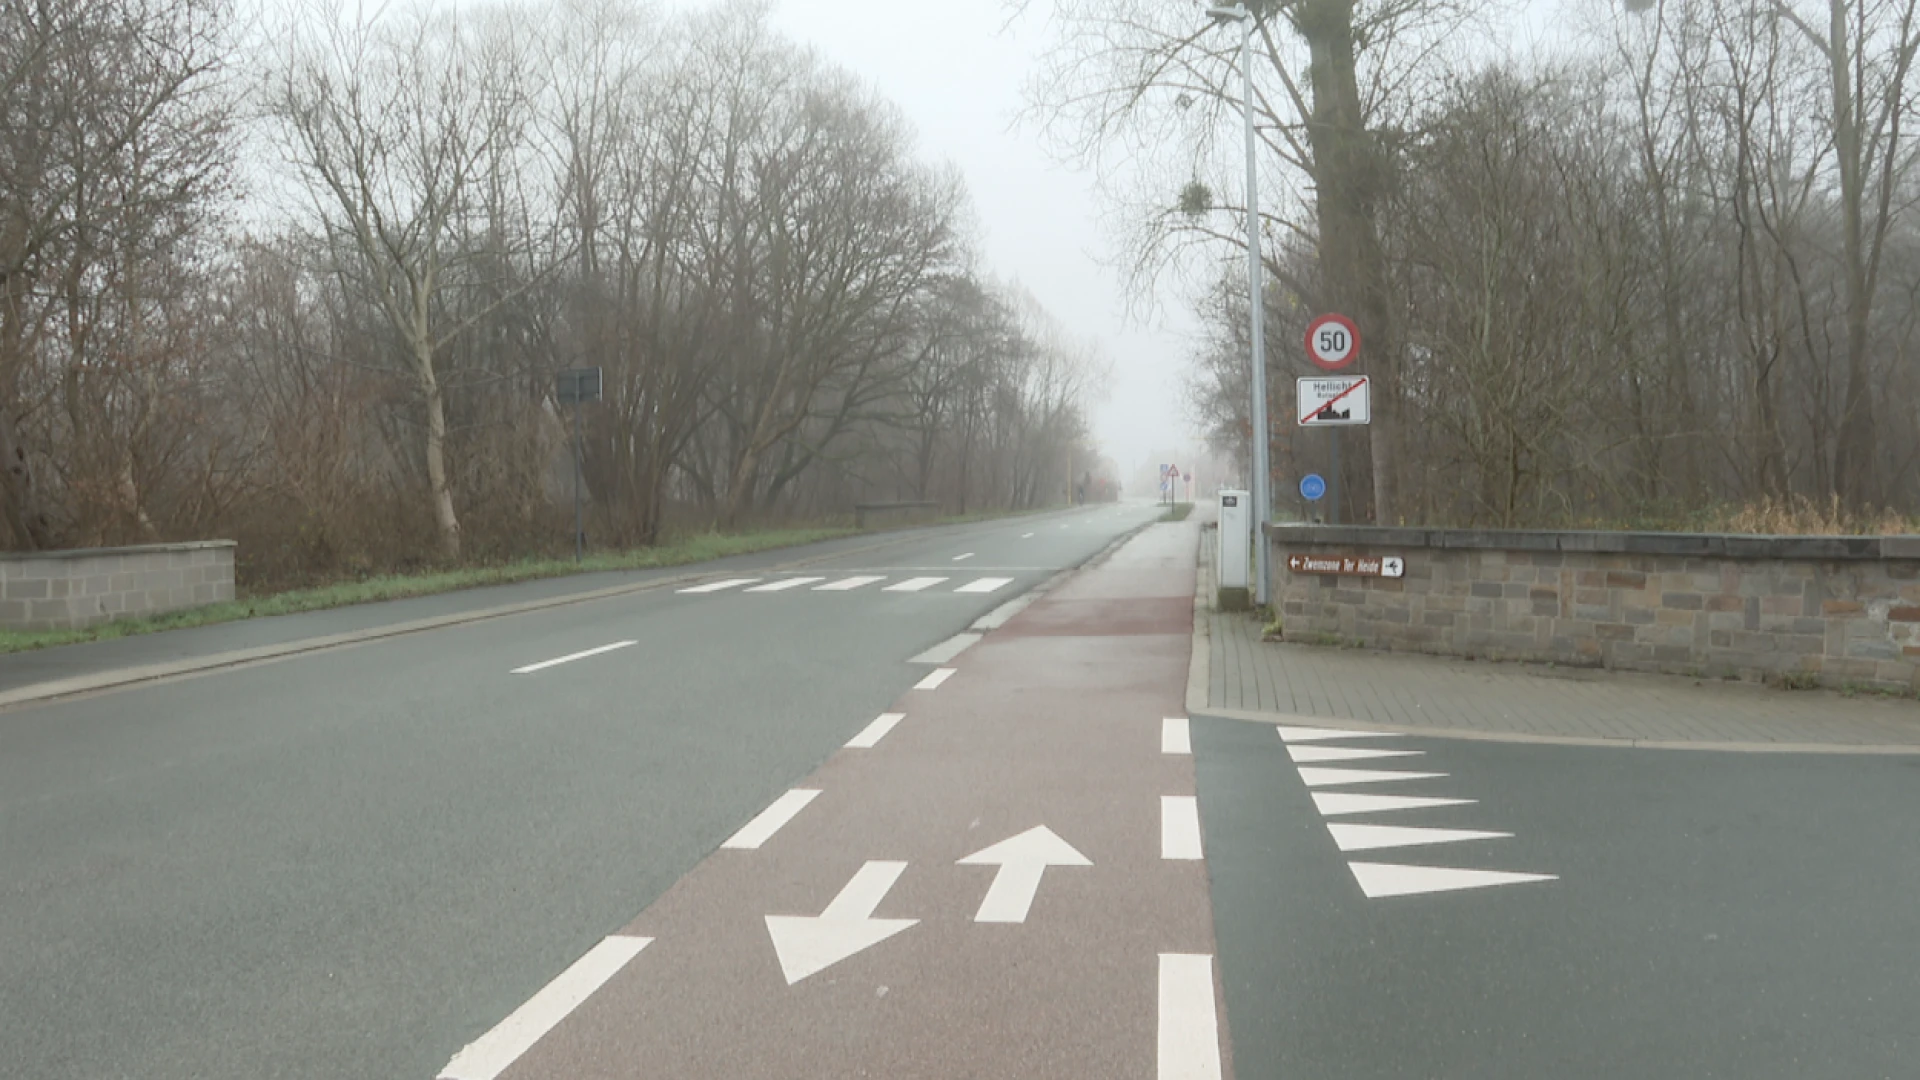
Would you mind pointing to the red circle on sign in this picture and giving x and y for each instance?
(1332, 342)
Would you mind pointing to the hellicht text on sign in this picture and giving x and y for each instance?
(1382, 566)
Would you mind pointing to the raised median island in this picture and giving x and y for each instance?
(1835, 610)
(66, 590)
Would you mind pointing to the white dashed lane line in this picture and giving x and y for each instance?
(716, 586)
(1174, 738)
(913, 584)
(490, 1055)
(934, 678)
(874, 732)
(968, 555)
(984, 585)
(571, 657)
(1180, 827)
(783, 586)
(761, 829)
(1189, 1036)
(849, 583)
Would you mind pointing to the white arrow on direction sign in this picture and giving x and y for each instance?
(1021, 859)
(808, 943)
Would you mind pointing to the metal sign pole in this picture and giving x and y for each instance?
(579, 528)
(1333, 477)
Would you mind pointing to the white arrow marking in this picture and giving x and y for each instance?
(1328, 777)
(1335, 803)
(809, 943)
(1310, 755)
(1386, 879)
(1022, 860)
(1371, 837)
(1315, 734)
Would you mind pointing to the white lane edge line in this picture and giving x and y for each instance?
(571, 657)
(875, 731)
(771, 820)
(1189, 1036)
(1174, 737)
(948, 649)
(934, 679)
(1180, 827)
(490, 1055)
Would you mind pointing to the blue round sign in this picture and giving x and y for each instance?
(1312, 487)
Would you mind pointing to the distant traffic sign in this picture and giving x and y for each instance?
(1332, 342)
(1325, 402)
(1313, 487)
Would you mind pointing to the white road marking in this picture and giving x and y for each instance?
(1173, 736)
(1189, 1023)
(778, 813)
(1336, 803)
(782, 586)
(716, 586)
(1313, 777)
(806, 943)
(875, 731)
(948, 649)
(571, 657)
(1180, 827)
(1314, 734)
(489, 1055)
(995, 619)
(968, 555)
(913, 584)
(984, 585)
(1022, 860)
(1026, 536)
(1373, 837)
(849, 583)
(1310, 755)
(934, 679)
(1386, 879)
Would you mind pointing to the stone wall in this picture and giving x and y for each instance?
(1838, 610)
(60, 590)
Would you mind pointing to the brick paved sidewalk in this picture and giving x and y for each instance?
(1274, 680)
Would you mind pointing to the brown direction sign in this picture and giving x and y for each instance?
(1385, 566)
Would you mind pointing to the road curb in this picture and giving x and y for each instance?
(118, 678)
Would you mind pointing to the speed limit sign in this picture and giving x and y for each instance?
(1332, 342)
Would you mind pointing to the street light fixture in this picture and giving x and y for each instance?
(1262, 496)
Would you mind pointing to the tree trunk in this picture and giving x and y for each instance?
(439, 489)
(1348, 176)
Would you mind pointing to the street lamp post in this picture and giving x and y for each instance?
(1262, 474)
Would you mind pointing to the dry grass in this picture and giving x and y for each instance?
(1800, 516)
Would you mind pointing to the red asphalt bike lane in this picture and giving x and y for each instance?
(1055, 720)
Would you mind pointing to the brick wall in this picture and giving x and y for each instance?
(1842, 610)
(57, 590)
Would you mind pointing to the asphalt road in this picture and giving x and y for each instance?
(1750, 916)
(351, 863)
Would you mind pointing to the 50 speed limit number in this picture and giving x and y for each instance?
(1332, 342)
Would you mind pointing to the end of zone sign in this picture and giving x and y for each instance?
(1334, 401)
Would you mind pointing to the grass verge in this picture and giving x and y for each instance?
(690, 549)
(1177, 512)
